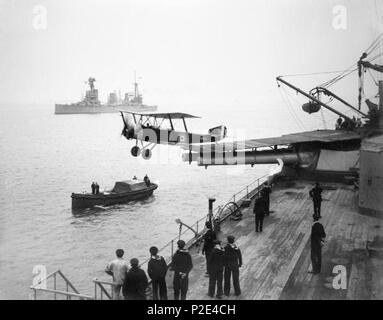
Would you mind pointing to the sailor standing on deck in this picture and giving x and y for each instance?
(97, 188)
(233, 261)
(147, 180)
(216, 266)
(157, 269)
(317, 241)
(117, 269)
(266, 193)
(208, 243)
(181, 265)
(259, 210)
(93, 186)
(316, 195)
(135, 282)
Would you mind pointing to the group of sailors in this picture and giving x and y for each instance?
(95, 188)
(133, 282)
(223, 263)
(347, 124)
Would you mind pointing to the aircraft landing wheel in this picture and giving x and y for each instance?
(135, 151)
(146, 154)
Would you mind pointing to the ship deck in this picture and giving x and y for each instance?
(276, 262)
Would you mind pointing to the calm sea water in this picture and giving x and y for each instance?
(46, 157)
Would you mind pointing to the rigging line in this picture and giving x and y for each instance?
(288, 106)
(340, 76)
(282, 92)
(311, 74)
(323, 120)
(377, 43)
(290, 99)
(335, 80)
(374, 43)
(373, 78)
(375, 57)
(375, 48)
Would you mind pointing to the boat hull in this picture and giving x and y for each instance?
(82, 201)
(76, 109)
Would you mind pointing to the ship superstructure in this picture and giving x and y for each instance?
(91, 104)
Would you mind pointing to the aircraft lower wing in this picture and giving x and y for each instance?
(325, 136)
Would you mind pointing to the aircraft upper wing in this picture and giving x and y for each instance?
(163, 115)
(307, 136)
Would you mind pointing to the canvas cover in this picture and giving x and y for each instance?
(128, 186)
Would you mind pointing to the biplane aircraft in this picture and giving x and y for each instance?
(150, 129)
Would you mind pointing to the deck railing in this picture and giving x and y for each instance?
(103, 291)
(42, 286)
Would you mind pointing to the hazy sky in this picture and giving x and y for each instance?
(186, 51)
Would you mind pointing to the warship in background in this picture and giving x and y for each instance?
(131, 102)
(91, 104)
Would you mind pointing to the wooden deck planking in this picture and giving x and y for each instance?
(347, 234)
(277, 261)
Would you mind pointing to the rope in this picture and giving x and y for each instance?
(374, 44)
(311, 74)
(339, 77)
(290, 108)
(323, 120)
(372, 76)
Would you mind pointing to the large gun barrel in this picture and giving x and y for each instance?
(289, 157)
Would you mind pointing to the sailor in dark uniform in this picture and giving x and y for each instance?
(135, 283)
(259, 210)
(93, 186)
(208, 243)
(317, 241)
(147, 180)
(339, 123)
(316, 195)
(233, 261)
(181, 265)
(97, 188)
(216, 267)
(157, 269)
(266, 193)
